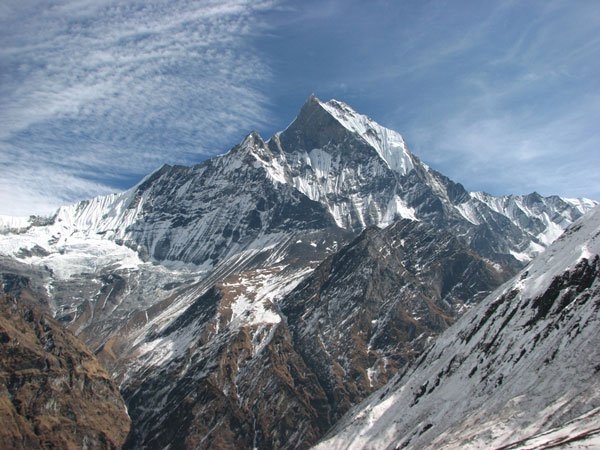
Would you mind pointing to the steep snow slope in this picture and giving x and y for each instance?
(523, 362)
(389, 144)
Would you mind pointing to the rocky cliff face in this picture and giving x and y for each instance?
(227, 287)
(372, 307)
(54, 392)
(519, 370)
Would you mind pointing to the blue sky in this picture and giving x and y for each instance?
(501, 96)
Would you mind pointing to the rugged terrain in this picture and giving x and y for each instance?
(54, 392)
(254, 298)
(289, 370)
(520, 370)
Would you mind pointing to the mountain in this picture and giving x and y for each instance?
(520, 370)
(332, 167)
(216, 286)
(369, 309)
(55, 393)
(286, 372)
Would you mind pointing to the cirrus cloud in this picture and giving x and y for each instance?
(97, 93)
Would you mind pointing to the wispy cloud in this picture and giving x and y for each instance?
(517, 109)
(95, 90)
(517, 152)
(500, 96)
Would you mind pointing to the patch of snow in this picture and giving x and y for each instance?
(10, 223)
(582, 204)
(245, 311)
(521, 256)
(275, 169)
(551, 233)
(397, 208)
(321, 163)
(466, 210)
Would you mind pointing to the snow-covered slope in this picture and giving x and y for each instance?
(522, 367)
(389, 144)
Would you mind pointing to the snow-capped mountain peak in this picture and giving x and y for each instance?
(354, 171)
(389, 144)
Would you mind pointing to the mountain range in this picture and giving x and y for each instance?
(252, 300)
